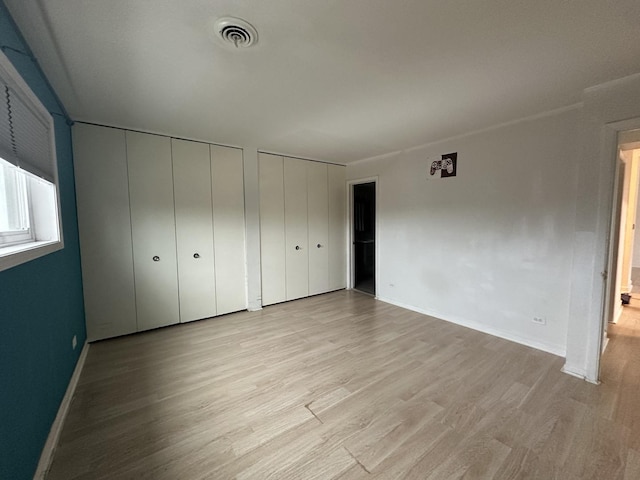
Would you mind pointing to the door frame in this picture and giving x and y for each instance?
(350, 235)
(611, 148)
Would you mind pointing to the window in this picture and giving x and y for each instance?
(14, 206)
(29, 207)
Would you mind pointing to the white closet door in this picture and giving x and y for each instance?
(100, 164)
(337, 227)
(194, 229)
(227, 177)
(318, 211)
(296, 228)
(153, 229)
(272, 239)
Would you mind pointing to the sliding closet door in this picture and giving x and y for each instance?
(272, 240)
(318, 221)
(153, 229)
(337, 227)
(227, 177)
(296, 229)
(194, 229)
(100, 163)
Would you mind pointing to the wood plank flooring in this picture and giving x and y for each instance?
(341, 386)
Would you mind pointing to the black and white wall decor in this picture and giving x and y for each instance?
(447, 166)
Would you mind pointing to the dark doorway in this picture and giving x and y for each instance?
(364, 237)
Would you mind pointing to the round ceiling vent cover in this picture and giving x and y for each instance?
(236, 31)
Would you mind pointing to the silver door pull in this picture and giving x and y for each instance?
(156, 258)
(196, 255)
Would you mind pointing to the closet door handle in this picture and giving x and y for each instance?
(156, 258)
(297, 247)
(319, 246)
(196, 255)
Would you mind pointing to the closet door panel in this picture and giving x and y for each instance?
(194, 229)
(337, 227)
(227, 178)
(153, 229)
(272, 237)
(318, 221)
(296, 228)
(100, 164)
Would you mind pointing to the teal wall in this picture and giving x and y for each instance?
(40, 304)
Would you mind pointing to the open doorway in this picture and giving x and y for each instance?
(364, 237)
(624, 246)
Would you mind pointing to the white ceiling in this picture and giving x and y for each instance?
(328, 79)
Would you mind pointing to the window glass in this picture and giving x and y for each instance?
(14, 212)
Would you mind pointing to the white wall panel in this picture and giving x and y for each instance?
(100, 164)
(194, 229)
(272, 237)
(493, 247)
(296, 228)
(337, 227)
(153, 229)
(227, 178)
(318, 223)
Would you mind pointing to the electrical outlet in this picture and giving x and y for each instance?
(74, 342)
(539, 320)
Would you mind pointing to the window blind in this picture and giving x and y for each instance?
(25, 134)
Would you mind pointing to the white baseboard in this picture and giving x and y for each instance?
(54, 434)
(496, 332)
(578, 373)
(617, 313)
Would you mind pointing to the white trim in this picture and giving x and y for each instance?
(608, 208)
(56, 428)
(25, 252)
(613, 83)
(555, 349)
(10, 256)
(536, 116)
(578, 373)
(616, 317)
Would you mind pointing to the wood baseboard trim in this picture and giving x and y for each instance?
(56, 428)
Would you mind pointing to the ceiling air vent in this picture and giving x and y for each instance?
(236, 31)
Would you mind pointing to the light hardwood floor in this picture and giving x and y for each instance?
(341, 386)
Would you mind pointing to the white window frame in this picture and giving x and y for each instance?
(14, 237)
(22, 250)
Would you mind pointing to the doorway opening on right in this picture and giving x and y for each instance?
(364, 237)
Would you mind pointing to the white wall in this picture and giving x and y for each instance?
(608, 109)
(493, 247)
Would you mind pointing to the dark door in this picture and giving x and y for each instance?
(364, 237)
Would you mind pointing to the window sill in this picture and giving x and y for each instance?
(15, 255)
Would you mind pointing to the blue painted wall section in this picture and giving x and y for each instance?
(41, 305)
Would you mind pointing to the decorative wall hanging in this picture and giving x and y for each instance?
(447, 166)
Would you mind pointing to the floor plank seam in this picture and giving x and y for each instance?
(356, 460)
(307, 406)
(400, 397)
